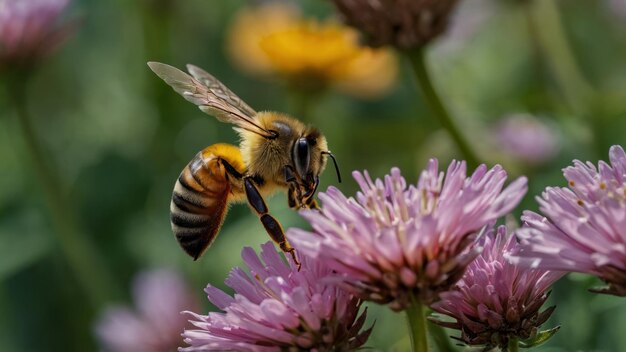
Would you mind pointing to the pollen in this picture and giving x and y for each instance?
(572, 183)
(580, 202)
(602, 185)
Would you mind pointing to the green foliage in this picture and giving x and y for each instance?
(119, 138)
(539, 339)
(23, 241)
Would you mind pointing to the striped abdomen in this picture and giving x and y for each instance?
(200, 198)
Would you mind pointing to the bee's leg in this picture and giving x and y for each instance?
(290, 176)
(291, 198)
(272, 226)
(311, 203)
(230, 170)
(294, 194)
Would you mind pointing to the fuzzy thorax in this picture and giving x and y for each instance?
(267, 158)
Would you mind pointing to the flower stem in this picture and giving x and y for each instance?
(301, 105)
(416, 316)
(79, 252)
(513, 345)
(440, 337)
(435, 103)
(546, 30)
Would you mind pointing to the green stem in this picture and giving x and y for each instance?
(513, 345)
(156, 19)
(78, 251)
(440, 337)
(303, 99)
(546, 30)
(549, 36)
(416, 316)
(437, 108)
(301, 105)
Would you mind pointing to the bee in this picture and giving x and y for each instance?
(276, 152)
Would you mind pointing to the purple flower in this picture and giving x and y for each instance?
(405, 24)
(617, 7)
(278, 308)
(395, 241)
(466, 22)
(584, 228)
(527, 138)
(157, 323)
(29, 30)
(495, 300)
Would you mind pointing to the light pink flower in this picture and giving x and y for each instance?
(467, 20)
(156, 326)
(29, 30)
(527, 138)
(584, 228)
(395, 241)
(278, 308)
(496, 300)
(617, 8)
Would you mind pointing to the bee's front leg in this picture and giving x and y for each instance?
(290, 175)
(272, 226)
(309, 200)
(292, 197)
(311, 203)
(294, 194)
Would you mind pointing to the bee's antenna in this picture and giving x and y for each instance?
(334, 162)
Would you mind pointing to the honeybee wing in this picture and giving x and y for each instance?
(212, 98)
(219, 89)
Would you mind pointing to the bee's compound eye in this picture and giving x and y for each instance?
(301, 156)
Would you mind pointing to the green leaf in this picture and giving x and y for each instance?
(21, 244)
(539, 339)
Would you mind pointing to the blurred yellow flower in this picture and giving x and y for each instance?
(274, 39)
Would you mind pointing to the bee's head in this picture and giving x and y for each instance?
(309, 155)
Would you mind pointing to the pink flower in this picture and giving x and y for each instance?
(617, 8)
(395, 241)
(527, 138)
(584, 228)
(405, 24)
(278, 308)
(495, 300)
(466, 22)
(29, 29)
(157, 324)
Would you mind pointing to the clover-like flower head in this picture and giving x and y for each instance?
(495, 300)
(156, 323)
(278, 308)
(405, 24)
(394, 240)
(584, 226)
(29, 30)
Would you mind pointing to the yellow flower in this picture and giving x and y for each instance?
(275, 39)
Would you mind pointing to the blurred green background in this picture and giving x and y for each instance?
(118, 137)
